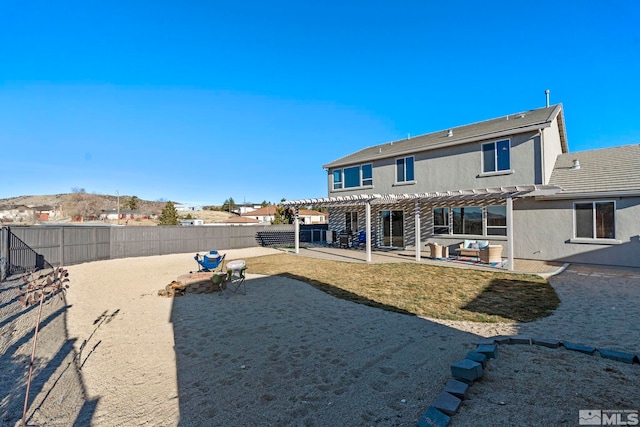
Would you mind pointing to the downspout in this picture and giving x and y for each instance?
(417, 231)
(296, 231)
(368, 225)
(543, 172)
(510, 233)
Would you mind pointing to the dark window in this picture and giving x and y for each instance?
(352, 177)
(337, 179)
(351, 222)
(496, 220)
(467, 220)
(595, 220)
(441, 221)
(496, 156)
(367, 174)
(404, 169)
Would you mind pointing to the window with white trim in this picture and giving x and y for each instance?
(467, 220)
(496, 156)
(337, 179)
(440, 220)
(496, 220)
(404, 169)
(353, 177)
(595, 220)
(367, 174)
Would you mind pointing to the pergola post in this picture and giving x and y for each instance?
(296, 230)
(510, 233)
(417, 231)
(367, 208)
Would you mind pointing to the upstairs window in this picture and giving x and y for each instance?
(595, 220)
(404, 169)
(367, 174)
(353, 177)
(496, 156)
(337, 179)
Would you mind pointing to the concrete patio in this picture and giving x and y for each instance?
(542, 268)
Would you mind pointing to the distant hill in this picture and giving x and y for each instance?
(92, 204)
(68, 202)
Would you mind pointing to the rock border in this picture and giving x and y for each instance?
(465, 372)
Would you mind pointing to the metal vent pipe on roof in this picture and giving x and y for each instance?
(576, 164)
(450, 133)
(546, 93)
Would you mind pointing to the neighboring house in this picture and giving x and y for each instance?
(17, 213)
(263, 215)
(509, 180)
(125, 214)
(243, 209)
(308, 216)
(268, 213)
(46, 213)
(181, 207)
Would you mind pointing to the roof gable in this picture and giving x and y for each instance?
(502, 126)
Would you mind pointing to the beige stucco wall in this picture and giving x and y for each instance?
(544, 229)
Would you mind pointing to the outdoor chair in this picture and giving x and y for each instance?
(437, 251)
(362, 238)
(210, 261)
(234, 279)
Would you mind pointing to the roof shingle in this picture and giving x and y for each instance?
(513, 123)
(606, 169)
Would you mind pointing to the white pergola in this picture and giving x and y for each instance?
(495, 194)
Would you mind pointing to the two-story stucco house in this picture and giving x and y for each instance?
(509, 180)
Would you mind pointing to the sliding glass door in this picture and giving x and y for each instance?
(393, 229)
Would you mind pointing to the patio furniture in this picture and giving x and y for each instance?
(362, 239)
(471, 248)
(437, 251)
(344, 240)
(209, 261)
(491, 253)
(234, 280)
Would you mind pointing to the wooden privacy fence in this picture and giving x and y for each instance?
(75, 244)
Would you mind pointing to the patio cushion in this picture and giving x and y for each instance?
(467, 244)
(483, 244)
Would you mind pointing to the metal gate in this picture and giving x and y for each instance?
(16, 257)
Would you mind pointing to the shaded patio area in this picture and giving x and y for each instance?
(542, 268)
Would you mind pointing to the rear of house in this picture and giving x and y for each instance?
(467, 183)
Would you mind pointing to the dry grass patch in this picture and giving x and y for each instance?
(422, 290)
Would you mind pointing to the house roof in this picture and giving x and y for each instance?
(308, 212)
(603, 170)
(265, 211)
(241, 220)
(503, 126)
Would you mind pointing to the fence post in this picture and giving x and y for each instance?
(4, 252)
(61, 246)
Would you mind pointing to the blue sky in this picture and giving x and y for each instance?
(197, 102)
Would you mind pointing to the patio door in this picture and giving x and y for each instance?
(393, 229)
